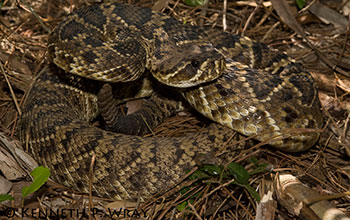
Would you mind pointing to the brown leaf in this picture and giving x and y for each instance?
(328, 15)
(134, 106)
(285, 12)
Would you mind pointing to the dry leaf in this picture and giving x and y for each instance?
(329, 16)
(5, 185)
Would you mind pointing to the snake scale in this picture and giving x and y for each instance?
(241, 84)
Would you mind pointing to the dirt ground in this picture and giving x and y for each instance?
(316, 35)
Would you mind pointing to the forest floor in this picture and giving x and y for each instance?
(315, 35)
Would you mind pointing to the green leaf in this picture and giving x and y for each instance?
(184, 204)
(212, 170)
(240, 174)
(41, 175)
(252, 192)
(5, 197)
(261, 168)
(184, 190)
(180, 207)
(300, 3)
(196, 2)
(254, 160)
(198, 174)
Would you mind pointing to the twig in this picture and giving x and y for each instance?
(194, 211)
(224, 11)
(11, 90)
(91, 177)
(270, 30)
(37, 16)
(346, 41)
(250, 17)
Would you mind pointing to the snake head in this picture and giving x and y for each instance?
(188, 65)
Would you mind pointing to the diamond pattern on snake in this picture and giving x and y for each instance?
(240, 84)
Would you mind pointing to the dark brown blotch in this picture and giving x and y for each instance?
(291, 114)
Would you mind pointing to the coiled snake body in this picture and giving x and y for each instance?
(260, 92)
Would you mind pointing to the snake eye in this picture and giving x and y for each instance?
(195, 63)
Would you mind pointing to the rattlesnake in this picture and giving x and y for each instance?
(258, 91)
